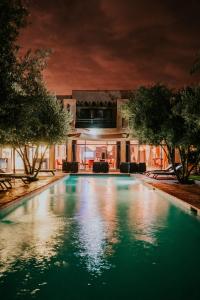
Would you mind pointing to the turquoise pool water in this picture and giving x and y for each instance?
(90, 237)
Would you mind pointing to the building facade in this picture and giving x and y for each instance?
(99, 133)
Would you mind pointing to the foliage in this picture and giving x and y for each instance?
(188, 108)
(12, 18)
(29, 114)
(160, 117)
(146, 111)
(38, 118)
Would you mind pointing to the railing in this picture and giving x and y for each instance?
(95, 123)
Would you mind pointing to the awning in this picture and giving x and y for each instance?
(109, 136)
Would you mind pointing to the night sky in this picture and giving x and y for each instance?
(114, 44)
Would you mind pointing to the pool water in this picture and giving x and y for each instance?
(89, 237)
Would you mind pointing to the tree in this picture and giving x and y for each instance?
(160, 117)
(12, 18)
(29, 114)
(188, 108)
(38, 118)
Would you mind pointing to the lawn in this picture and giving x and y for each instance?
(195, 177)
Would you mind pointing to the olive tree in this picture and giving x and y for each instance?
(159, 116)
(36, 116)
(12, 19)
(187, 107)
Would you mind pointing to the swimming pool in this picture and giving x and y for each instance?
(89, 237)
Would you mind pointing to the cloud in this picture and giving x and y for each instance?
(114, 43)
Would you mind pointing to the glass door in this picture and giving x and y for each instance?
(88, 152)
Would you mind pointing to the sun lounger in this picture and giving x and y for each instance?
(5, 183)
(164, 173)
(168, 169)
(52, 171)
(24, 177)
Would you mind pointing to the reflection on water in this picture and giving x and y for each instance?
(37, 229)
(147, 214)
(96, 219)
(94, 233)
(31, 232)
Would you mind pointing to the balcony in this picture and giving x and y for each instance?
(95, 123)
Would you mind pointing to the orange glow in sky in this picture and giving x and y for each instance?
(114, 44)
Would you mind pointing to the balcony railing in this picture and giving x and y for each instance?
(95, 123)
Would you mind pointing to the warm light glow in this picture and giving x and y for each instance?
(144, 212)
(37, 227)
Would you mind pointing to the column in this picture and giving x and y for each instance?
(69, 150)
(128, 151)
(52, 157)
(74, 150)
(123, 151)
(118, 160)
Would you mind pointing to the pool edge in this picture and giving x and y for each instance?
(184, 204)
(12, 205)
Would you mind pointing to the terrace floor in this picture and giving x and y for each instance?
(20, 189)
(189, 193)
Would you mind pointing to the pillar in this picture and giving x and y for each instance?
(69, 150)
(74, 150)
(52, 157)
(118, 155)
(123, 151)
(127, 151)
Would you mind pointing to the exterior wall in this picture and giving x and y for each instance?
(120, 103)
(95, 134)
(118, 134)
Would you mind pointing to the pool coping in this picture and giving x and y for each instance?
(101, 174)
(12, 205)
(187, 206)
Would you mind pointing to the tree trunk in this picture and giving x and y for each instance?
(40, 164)
(171, 151)
(29, 168)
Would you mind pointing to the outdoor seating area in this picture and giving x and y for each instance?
(8, 179)
(19, 189)
(104, 167)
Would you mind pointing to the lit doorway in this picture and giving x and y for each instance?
(88, 152)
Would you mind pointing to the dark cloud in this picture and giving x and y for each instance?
(114, 43)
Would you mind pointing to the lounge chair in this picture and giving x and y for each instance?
(52, 171)
(165, 173)
(168, 169)
(5, 183)
(24, 177)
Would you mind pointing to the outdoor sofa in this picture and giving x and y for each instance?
(100, 167)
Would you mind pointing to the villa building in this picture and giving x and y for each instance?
(99, 133)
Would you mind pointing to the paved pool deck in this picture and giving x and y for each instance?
(189, 193)
(20, 189)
